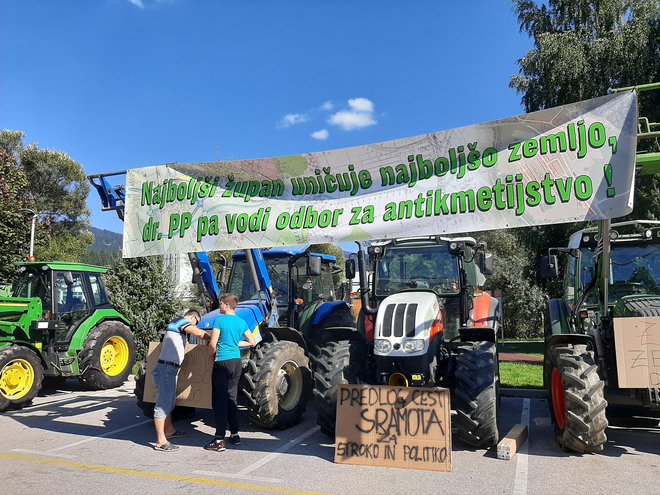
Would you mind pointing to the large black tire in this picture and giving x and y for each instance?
(277, 384)
(335, 363)
(179, 412)
(477, 394)
(576, 397)
(107, 357)
(21, 374)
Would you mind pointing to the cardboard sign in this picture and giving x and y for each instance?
(637, 343)
(394, 427)
(193, 386)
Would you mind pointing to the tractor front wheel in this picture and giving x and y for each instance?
(277, 384)
(576, 397)
(477, 394)
(107, 357)
(335, 363)
(21, 374)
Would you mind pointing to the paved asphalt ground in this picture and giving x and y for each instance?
(79, 442)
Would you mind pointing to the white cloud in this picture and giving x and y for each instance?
(137, 3)
(361, 105)
(321, 135)
(327, 106)
(361, 114)
(292, 119)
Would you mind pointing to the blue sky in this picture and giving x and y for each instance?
(129, 83)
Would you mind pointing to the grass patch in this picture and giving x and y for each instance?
(536, 348)
(521, 375)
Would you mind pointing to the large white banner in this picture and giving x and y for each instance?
(564, 164)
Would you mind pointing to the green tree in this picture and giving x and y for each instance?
(523, 300)
(14, 198)
(57, 190)
(582, 48)
(143, 291)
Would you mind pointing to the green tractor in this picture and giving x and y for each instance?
(611, 273)
(58, 322)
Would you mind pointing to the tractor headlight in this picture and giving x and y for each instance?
(382, 346)
(413, 345)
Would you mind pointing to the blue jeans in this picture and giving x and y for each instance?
(164, 377)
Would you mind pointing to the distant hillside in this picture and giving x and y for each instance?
(105, 241)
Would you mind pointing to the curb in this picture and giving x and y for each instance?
(531, 393)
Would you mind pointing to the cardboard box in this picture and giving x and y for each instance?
(193, 387)
(637, 343)
(401, 427)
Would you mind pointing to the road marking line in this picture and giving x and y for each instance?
(520, 482)
(37, 452)
(279, 451)
(244, 476)
(163, 476)
(96, 437)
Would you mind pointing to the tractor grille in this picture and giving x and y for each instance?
(399, 320)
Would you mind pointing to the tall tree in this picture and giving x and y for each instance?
(57, 189)
(14, 200)
(142, 290)
(582, 48)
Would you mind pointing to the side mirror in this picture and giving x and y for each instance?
(314, 266)
(549, 267)
(487, 264)
(350, 269)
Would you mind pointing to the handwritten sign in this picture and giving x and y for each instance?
(193, 386)
(394, 427)
(637, 342)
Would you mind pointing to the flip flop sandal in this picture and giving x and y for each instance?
(177, 434)
(166, 447)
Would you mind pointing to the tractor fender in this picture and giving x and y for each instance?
(79, 337)
(557, 318)
(477, 334)
(485, 311)
(288, 334)
(5, 343)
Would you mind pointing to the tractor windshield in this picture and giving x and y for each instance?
(34, 283)
(417, 267)
(240, 282)
(635, 269)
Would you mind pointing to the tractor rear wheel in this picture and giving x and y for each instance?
(179, 412)
(21, 374)
(576, 397)
(277, 384)
(335, 363)
(108, 356)
(477, 394)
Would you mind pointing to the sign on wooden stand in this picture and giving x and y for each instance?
(637, 342)
(394, 427)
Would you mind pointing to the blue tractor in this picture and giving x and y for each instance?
(280, 291)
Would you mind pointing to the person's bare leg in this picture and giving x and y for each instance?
(161, 439)
(169, 427)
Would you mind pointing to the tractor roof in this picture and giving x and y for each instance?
(271, 253)
(64, 266)
(426, 240)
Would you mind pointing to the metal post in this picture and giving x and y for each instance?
(34, 222)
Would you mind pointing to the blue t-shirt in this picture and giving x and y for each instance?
(231, 329)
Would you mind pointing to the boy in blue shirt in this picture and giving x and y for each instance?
(230, 334)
